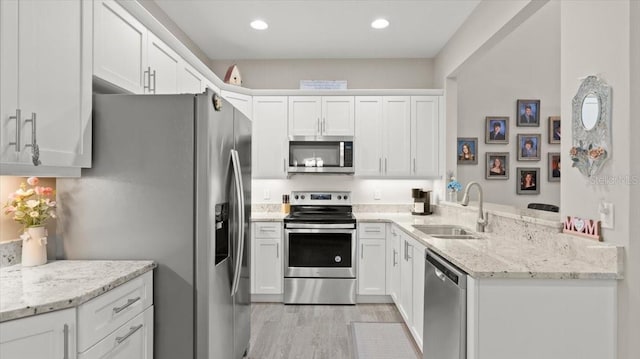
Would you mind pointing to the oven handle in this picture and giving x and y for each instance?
(316, 230)
(320, 226)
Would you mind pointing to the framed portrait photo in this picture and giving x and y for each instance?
(554, 129)
(528, 113)
(529, 147)
(554, 166)
(496, 130)
(467, 150)
(528, 180)
(497, 166)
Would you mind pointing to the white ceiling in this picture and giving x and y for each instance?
(316, 29)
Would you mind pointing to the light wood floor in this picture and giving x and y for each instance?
(310, 331)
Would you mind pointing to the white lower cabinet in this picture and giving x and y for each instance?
(405, 302)
(44, 336)
(371, 259)
(393, 263)
(133, 340)
(417, 327)
(266, 254)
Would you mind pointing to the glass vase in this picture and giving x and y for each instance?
(452, 196)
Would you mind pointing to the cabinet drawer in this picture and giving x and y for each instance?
(268, 230)
(102, 315)
(133, 340)
(371, 230)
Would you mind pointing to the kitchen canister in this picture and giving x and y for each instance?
(34, 246)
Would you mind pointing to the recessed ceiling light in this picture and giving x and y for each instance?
(379, 24)
(259, 25)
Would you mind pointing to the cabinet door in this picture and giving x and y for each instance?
(368, 122)
(270, 152)
(418, 292)
(54, 79)
(164, 66)
(425, 135)
(396, 112)
(305, 115)
(337, 116)
(9, 127)
(242, 102)
(371, 267)
(190, 80)
(406, 281)
(43, 336)
(120, 47)
(266, 262)
(133, 340)
(393, 264)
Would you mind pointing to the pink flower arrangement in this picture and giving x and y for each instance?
(31, 207)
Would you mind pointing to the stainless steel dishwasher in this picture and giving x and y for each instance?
(445, 310)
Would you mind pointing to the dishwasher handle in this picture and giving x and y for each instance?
(445, 270)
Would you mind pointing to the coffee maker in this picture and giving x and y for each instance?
(421, 201)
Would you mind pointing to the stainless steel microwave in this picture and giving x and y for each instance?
(321, 155)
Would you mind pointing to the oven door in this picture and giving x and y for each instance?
(320, 253)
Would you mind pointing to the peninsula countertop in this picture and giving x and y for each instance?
(26, 291)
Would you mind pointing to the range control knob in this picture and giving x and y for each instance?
(339, 197)
(302, 196)
(338, 259)
(345, 197)
(296, 197)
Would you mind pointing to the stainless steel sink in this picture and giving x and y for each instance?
(445, 231)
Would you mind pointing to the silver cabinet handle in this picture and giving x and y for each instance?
(414, 165)
(132, 330)
(277, 250)
(66, 341)
(17, 118)
(385, 165)
(380, 165)
(35, 149)
(263, 229)
(124, 306)
(146, 79)
(284, 165)
(361, 250)
(405, 250)
(324, 125)
(395, 257)
(154, 81)
(319, 128)
(372, 230)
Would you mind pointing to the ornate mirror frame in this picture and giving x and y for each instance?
(591, 148)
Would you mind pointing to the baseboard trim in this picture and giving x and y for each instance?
(267, 298)
(373, 299)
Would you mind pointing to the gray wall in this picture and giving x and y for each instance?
(360, 73)
(524, 65)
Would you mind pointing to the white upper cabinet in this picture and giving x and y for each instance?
(396, 113)
(425, 135)
(321, 116)
(120, 47)
(242, 102)
(45, 57)
(269, 145)
(163, 66)
(368, 138)
(190, 80)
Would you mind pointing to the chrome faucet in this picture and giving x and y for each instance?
(482, 220)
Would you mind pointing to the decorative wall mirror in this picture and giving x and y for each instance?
(591, 125)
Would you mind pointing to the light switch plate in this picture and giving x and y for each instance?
(606, 215)
(377, 194)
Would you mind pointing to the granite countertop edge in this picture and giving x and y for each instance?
(77, 300)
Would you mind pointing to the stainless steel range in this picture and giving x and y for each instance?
(320, 249)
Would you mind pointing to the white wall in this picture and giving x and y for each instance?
(392, 191)
(360, 73)
(595, 40)
(524, 65)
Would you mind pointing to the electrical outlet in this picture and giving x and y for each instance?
(377, 194)
(606, 214)
(266, 195)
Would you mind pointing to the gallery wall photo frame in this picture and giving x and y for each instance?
(553, 166)
(496, 129)
(467, 150)
(528, 113)
(554, 130)
(528, 180)
(497, 166)
(529, 147)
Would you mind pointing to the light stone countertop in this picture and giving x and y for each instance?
(268, 216)
(539, 255)
(26, 291)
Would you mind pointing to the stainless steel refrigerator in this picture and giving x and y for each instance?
(171, 181)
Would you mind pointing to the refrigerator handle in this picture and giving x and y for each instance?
(240, 194)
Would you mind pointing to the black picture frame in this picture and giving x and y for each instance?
(554, 130)
(521, 187)
(553, 167)
(493, 123)
(528, 119)
(490, 172)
